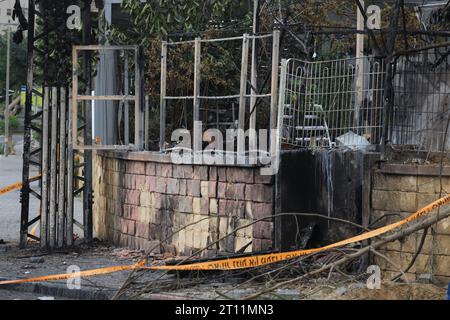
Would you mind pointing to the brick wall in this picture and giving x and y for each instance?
(397, 192)
(142, 198)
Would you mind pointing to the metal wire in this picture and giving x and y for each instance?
(421, 108)
(323, 107)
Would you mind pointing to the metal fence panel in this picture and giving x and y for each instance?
(323, 108)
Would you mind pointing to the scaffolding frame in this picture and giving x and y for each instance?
(87, 99)
(242, 95)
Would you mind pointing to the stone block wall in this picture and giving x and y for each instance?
(141, 199)
(397, 192)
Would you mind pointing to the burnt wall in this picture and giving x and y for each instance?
(333, 183)
(142, 198)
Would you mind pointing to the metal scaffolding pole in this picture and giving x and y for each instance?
(87, 67)
(25, 192)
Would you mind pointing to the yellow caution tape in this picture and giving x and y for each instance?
(245, 262)
(16, 186)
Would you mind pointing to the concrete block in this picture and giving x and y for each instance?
(222, 174)
(145, 199)
(142, 230)
(213, 207)
(200, 172)
(263, 230)
(140, 182)
(204, 188)
(173, 186)
(213, 173)
(182, 171)
(240, 175)
(135, 167)
(161, 185)
(184, 204)
(193, 188)
(235, 191)
(389, 182)
(428, 184)
(132, 197)
(394, 201)
(232, 208)
(165, 170)
(260, 210)
(259, 193)
(150, 168)
(182, 187)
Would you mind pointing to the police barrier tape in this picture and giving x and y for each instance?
(16, 186)
(244, 262)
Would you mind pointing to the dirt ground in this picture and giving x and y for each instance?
(32, 262)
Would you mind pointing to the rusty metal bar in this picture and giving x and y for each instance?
(162, 110)
(45, 147)
(62, 170)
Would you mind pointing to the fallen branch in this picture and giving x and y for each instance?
(426, 223)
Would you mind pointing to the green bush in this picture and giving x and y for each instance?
(13, 125)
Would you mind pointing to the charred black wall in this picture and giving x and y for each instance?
(334, 183)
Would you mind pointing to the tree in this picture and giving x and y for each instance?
(18, 71)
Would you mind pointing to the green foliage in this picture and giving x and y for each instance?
(13, 125)
(18, 64)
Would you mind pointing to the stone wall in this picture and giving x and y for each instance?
(397, 192)
(142, 198)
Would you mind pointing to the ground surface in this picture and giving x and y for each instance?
(31, 262)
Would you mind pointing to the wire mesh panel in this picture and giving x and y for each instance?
(421, 110)
(333, 103)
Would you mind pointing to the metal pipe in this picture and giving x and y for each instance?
(137, 104)
(197, 144)
(274, 91)
(127, 103)
(8, 54)
(242, 98)
(146, 122)
(62, 169)
(53, 169)
(25, 192)
(70, 186)
(162, 110)
(253, 143)
(45, 143)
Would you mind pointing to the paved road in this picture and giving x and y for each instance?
(11, 172)
(17, 295)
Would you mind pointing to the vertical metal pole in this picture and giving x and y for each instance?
(242, 100)
(62, 169)
(44, 194)
(127, 103)
(359, 87)
(281, 103)
(70, 187)
(53, 168)
(197, 128)
(25, 192)
(87, 192)
(274, 91)
(137, 103)
(8, 53)
(162, 110)
(147, 122)
(252, 136)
